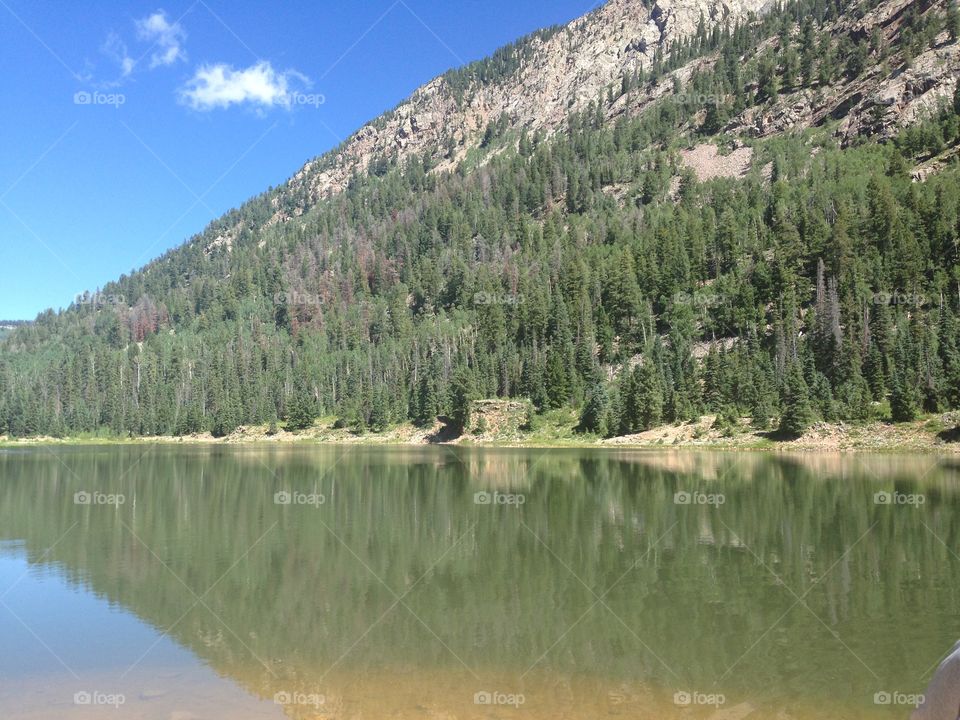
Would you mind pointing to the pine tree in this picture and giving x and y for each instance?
(904, 399)
(808, 51)
(532, 384)
(797, 413)
(953, 19)
(791, 68)
(225, 421)
(379, 410)
(828, 64)
(949, 351)
(648, 402)
(462, 396)
(713, 381)
(300, 410)
(716, 117)
(557, 379)
(624, 299)
(768, 84)
(727, 420)
(761, 411)
(426, 401)
(593, 418)
(625, 408)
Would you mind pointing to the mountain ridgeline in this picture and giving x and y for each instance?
(739, 209)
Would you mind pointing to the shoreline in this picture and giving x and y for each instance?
(936, 434)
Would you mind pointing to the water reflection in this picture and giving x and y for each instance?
(365, 582)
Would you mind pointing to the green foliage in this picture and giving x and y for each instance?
(904, 400)
(797, 413)
(760, 412)
(593, 418)
(462, 395)
(300, 411)
(640, 399)
(225, 422)
(727, 421)
(543, 271)
(953, 20)
(768, 82)
(481, 427)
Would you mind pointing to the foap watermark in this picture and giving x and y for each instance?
(96, 497)
(499, 498)
(95, 697)
(700, 99)
(894, 697)
(485, 298)
(302, 99)
(899, 298)
(484, 697)
(898, 498)
(690, 698)
(285, 697)
(85, 97)
(698, 498)
(698, 299)
(98, 298)
(297, 299)
(293, 497)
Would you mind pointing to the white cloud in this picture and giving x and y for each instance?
(220, 86)
(165, 40)
(116, 50)
(165, 36)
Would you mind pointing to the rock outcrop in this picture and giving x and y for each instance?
(558, 74)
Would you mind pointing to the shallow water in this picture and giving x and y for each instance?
(357, 582)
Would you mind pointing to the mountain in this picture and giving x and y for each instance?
(536, 84)
(540, 81)
(658, 210)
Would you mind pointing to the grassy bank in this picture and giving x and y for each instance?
(505, 424)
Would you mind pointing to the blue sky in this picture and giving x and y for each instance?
(127, 127)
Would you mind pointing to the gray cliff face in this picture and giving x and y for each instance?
(562, 73)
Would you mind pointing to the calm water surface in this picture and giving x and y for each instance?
(312, 582)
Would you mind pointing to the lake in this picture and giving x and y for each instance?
(179, 582)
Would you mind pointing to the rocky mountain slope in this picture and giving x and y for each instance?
(890, 94)
(561, 71)
(558, 72)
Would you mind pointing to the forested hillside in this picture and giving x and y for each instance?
(7, 326)
(595, 268)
